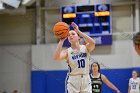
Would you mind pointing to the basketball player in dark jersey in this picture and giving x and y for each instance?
(97, 79)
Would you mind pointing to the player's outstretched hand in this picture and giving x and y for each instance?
(118, 91)
(75, 27)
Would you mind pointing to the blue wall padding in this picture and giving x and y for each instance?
(54, 81)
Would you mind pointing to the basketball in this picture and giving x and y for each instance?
(61, 29)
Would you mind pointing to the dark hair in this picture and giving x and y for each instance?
(136, 39)
(97, 65)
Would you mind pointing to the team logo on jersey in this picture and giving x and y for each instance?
(77, 56)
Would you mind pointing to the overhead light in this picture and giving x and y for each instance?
(12, 3)
(12, 7)
(27, 2)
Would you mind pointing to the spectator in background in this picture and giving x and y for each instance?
(134, 83)
(136, 41)
(4, 92)
(15, 91)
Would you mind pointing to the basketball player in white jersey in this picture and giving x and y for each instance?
(77, 57)
(134, 83)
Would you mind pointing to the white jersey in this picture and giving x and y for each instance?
(78, 62)
(134, 85)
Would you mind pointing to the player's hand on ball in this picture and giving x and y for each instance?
(63, 39)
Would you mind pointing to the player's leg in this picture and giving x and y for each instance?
(73, 84)
(71, 89)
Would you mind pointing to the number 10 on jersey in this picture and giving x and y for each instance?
(81, 63)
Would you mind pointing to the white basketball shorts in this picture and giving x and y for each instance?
(78, 84)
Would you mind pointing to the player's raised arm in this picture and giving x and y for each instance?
(90, 42)
(60, 54)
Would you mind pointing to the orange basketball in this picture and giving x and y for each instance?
(61, 29)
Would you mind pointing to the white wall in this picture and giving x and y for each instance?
(15, 68)
(122, 55)
(42, 58)
(17, 28)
